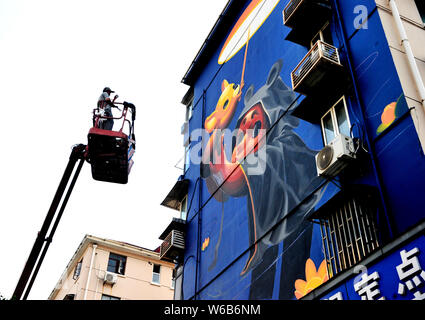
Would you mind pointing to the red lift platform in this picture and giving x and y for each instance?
(110, 152)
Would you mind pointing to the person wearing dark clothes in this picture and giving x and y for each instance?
(104, 103)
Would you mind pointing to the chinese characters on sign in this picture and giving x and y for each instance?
(410, 272)
(404, 274)
(368, 287)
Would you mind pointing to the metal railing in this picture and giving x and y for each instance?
(290, 9)
(174, 239)
(349, 235)
(320, 50)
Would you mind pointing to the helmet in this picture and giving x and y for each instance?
(107, 89)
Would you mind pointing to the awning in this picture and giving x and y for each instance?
(176, 224)
(176, 195)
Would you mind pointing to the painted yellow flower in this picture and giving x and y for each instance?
(313, 278)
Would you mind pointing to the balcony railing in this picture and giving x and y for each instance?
(290, 8)
(173, 242)
(320, 52)
(305, 18)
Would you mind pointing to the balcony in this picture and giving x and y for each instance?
(320, 67)
(305, 17)
(321, 77)
(290, 9)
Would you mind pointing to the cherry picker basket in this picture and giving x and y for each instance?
(110, 152)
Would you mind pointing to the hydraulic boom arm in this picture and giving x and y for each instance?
(42, 242)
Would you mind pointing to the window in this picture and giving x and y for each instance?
(349, 233)
(183, 208)
(77, 270)
(188, 102)
(173, 280)
(189, 110)
(178, 275)
(156, 273)
(420, 4)
(69, 297)
(336, 121)
(186, 157)
(106, 297)
(324, 35)
(116, 263)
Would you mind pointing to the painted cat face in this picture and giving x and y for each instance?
(225, 108)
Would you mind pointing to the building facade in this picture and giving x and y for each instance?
(103, 269)
(304, 141)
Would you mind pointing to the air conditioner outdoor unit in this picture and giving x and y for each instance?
(110, 278)
(173, 245)
(334, 157)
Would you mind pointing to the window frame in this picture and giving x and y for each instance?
(173, 279)
(420, 6)
(184, 200)
(186, 157)
(111, 298)
(156, 273)
(189, 109)
(320, 34)
(188, 102)
(334, 120)
(77, 270)
(69, 297)
(122, 263)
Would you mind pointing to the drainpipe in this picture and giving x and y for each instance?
(199, 239)
(411, 59)
(90, 268)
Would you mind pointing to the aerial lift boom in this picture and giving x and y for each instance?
(43, 241)
(110, 156)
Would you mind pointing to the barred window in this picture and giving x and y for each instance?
(349, 232)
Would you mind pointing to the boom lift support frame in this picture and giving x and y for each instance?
(42, 243)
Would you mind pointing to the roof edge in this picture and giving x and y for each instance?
(217, 33)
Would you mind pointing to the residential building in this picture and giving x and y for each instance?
(103, 269)
(306, 173)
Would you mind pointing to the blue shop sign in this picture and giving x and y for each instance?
(399, 276)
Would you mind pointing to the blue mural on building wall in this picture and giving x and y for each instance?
(249, 232)
(277, 186)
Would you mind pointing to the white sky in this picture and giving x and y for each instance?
(55, 59)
